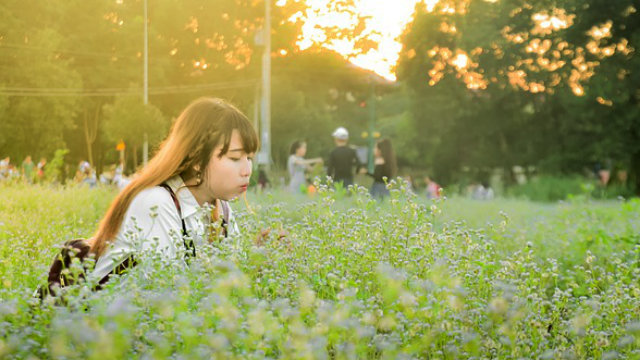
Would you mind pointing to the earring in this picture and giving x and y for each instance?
(198, 174)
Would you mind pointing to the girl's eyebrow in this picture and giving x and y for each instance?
(236, 150)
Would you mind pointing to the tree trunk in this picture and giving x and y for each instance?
(87, 139)
(508, 177)
(91, 131)
(99, 154)
(135, 158)
(635, 172)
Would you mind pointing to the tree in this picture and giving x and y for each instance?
(101, 43)
(128, 119)
(610, 34)
(514, 82)
(33, 124)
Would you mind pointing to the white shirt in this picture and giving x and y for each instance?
(152, 224)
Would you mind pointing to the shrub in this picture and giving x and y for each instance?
(552, 188)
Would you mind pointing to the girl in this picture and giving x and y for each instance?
(296, 165)
(385, 167)
(205, 161)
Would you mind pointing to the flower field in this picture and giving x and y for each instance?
(352, 279)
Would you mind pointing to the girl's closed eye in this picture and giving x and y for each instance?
(233, 158)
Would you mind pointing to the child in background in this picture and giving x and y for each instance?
(434, 191)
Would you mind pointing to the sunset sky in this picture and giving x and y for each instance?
(388, 20)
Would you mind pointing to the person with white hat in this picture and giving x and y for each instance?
(343, 161)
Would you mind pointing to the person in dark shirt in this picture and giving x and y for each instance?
(385, 168)
(263, 180)
(343, 161)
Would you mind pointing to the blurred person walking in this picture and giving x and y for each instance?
(385, 168)
(434, 190)
(297, 164)
(263, 179)
(40, 169)
(118, 174)
(4, 167)
(82, 171)
(27, 168)
(343, 160)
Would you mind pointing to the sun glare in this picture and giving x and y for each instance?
(386, 21)
(460, 61)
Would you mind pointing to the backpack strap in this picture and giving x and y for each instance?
(124, 266)
(188, 245)
(221, 205)
(225, 217)
(225, 211)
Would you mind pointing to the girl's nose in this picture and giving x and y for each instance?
(246, 169)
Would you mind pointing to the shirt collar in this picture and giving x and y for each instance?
(188, 203)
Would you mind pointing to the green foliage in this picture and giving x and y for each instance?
(500, 121)
(36, 219)
(613, 191)
(129, 119)
(551, 188)
(36, 125)
(54, 168)
(455, 279)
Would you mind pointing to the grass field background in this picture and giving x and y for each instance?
(353, 278)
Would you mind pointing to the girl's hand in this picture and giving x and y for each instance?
(263, 236)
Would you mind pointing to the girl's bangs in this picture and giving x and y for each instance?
(250, 140)
(248, 135)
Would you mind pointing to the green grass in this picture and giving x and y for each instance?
(354, 278)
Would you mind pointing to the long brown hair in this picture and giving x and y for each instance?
(389, 156)
(203, 125)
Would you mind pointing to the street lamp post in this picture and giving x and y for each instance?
(372, 123)
(264, 157)
(145, 86)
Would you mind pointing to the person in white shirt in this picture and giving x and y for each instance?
(297, 164)
(171, 203)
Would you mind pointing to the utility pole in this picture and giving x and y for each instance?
(372, 123)
(264, 157)
(145, 86)
(256, 107)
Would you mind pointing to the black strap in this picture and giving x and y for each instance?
(225, 217)
(225, 212)
(124, 266)
(188, 245)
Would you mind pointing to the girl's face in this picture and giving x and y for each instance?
(227, 176)
(302, 150)
(377, 152)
